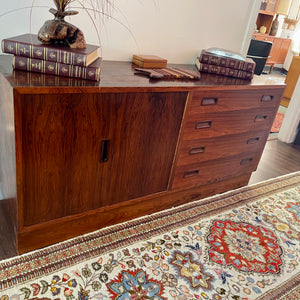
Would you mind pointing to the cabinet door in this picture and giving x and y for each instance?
(275, 51)
(271, 6)
(81, 152)
(285, 44)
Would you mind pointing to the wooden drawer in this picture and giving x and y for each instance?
(193, 175)
(205, 125)
(217, 101)
(195, 151)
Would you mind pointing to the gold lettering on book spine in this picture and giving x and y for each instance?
(21, 63)
(39, 53)
(51, 67)
(79, 60)
(64, 70)
(10, 48)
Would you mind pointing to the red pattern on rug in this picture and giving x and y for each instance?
(277, 123)
(246, 247)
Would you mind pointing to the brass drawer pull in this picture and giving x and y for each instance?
(260, 118)
(201, 125)
(209, 101)
(266, 98)
(190, 173)
(104, 151)
(246, 161)
(253, 140)
(196, 150)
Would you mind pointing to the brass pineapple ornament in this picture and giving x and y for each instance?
(60, 32)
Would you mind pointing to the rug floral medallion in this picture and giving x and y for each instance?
(243, 244)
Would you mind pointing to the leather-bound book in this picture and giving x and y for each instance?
(213, 69)
(92, 72)
(28, 45)
(226, 59)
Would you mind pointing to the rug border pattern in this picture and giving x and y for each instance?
(114, 237)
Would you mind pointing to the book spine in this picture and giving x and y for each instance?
(224, 71)
(43, 53)
(53, 68)
(226, 62)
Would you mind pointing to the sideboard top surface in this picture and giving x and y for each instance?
(121, 76)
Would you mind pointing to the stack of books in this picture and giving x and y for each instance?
(31, 55)
(224, 62)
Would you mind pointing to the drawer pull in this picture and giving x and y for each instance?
(201, 125)
(209, 101)
(196, 150)
(260, 118)
(253, 140)
(190, 173)
(246, 161)
(266, 98)
(104, 150)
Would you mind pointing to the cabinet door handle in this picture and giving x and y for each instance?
(246, 160)
(190, 173)
(201, 125)
(196, 150)
(266, 98)
(209, 101)
(104, 150)
(253, 140)
(260, 118)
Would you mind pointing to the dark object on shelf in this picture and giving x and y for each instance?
(259, 51)
(274, 27)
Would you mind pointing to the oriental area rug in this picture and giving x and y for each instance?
(242, 244)
(277, 122)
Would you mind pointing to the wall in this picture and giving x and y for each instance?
(289, 127)
(174, 29)
(294, 48)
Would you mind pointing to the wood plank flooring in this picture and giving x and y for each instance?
(277, 159)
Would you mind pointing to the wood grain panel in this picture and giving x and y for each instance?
(292, 77)
(194, 151)
(62, 139)
(54, 231)
(285, 45)
(188, 176)
(233, 100)
(230, 122)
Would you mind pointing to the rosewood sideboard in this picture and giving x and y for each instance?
(80, 155)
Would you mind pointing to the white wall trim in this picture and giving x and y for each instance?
(288, 130)
(253, 9)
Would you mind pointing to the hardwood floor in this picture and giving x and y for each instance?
(277, 159)
(7, 242)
